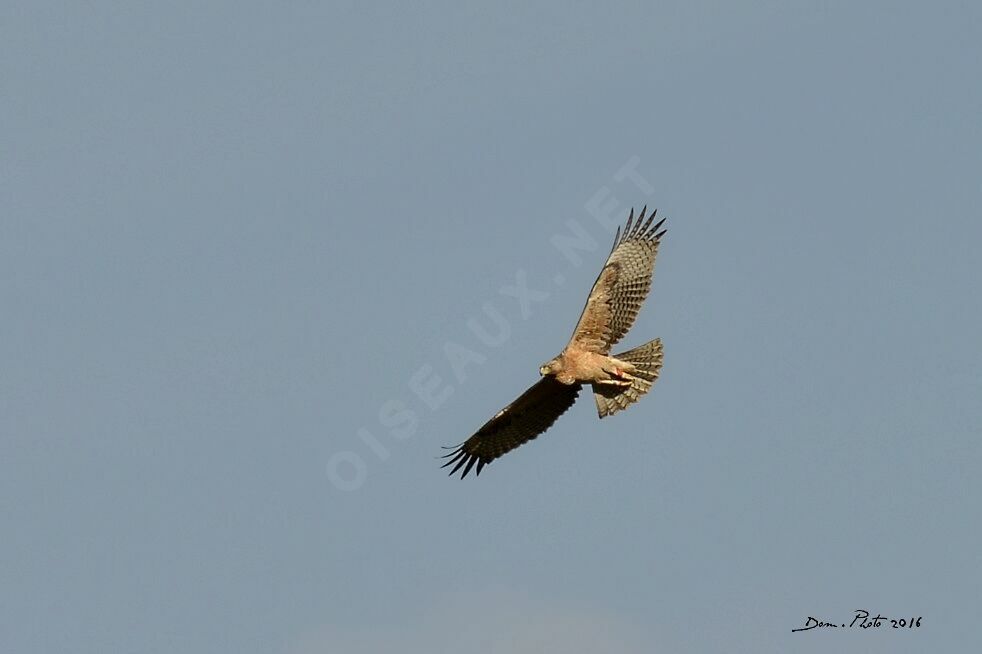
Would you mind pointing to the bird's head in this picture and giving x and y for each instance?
(550, 367)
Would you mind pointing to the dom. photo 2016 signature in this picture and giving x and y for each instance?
(862, 620)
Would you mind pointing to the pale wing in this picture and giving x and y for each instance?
(621, 287)
(519, 422)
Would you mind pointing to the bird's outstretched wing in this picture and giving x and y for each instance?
(621, 287)
(519, 422)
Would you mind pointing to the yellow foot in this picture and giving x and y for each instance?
(615, 382)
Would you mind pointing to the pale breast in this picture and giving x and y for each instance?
(584, 366)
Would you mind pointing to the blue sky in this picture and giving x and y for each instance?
(243, 248)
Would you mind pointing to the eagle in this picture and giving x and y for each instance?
(617, 380)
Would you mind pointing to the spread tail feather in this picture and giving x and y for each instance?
(648, 360)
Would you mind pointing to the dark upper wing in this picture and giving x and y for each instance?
(621, 287)
(519, 422)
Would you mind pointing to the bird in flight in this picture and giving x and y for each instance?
(617, 380)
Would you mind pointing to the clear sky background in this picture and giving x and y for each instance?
(235, 235)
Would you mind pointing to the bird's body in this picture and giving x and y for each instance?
(617, 380)
(578, 366)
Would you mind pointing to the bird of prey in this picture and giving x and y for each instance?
(617, 381)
